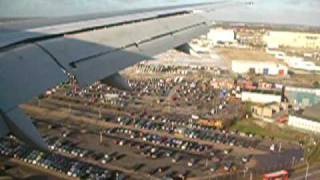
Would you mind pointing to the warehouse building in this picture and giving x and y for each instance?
(221, 36)
(292, 39)
(300, 63)
(309, 120)
(302, 97)
(261, 96)
(259, 67)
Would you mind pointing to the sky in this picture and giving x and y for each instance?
(301, 12)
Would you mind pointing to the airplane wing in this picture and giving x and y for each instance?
(38, 54)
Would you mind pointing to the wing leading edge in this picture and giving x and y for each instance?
(40, 59)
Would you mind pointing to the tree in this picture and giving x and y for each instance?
(316, 84)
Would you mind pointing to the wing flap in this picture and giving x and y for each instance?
(188, 34)
(26, 72)
(21, 126)
(117, 81)
(68, 50)
(97, 68)
(175, 23)
(3, 127)
(111, 49)
(84, 45)
(157, 46)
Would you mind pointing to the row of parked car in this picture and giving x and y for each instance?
(175, 149)
(171, 125)
(56, 162)
(66, 146)
(164, 141)
(214, 159)
(147, 150)
(189, 128)
(159, 68)
(191, 92)
(223, 138)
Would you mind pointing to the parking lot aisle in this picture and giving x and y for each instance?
(62, 113)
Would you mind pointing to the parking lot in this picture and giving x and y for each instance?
(66, 166)
(155, 154)
(159, 130)
(151, 154)
(78, 153)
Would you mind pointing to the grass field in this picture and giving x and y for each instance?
(267, 130)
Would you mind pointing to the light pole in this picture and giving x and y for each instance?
(245, 171)
(101, 137)
(206, 163)
(293, 160)
(307, 171)
(280, 147)
(309, 156)
(117, 176)
(100, 114)
(69, 107)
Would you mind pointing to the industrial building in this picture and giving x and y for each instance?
(259, 67)
(292, 39)
(221, 36)
(261, 96)
(309, 120)
(300, 63)
(266, 111)
(302, 97)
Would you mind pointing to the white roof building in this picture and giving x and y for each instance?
(304, 123)
(220, 35)
(276, 39)
(260, 97)
(309, 120)
(259, 67)
(300, 63)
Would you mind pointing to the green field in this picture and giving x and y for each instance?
(260, 128)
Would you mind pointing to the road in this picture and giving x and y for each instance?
(314, 174)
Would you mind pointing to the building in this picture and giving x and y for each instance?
(261, 96)
(309, 120)
(292, 39)
(221, 36)
(266, 112)
(300, 63)
(302, 97)
(259, 67)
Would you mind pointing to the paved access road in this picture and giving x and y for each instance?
(314, 174)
